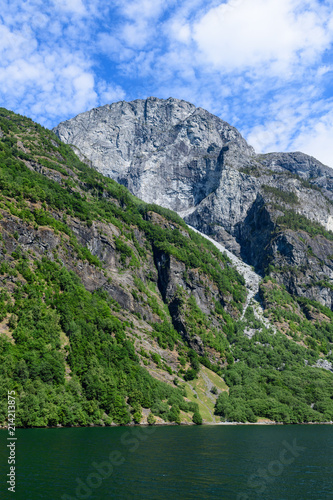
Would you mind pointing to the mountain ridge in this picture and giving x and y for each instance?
(184, 158)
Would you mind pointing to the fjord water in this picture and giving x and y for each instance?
(178, 463)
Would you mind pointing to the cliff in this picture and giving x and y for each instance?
(274, 211)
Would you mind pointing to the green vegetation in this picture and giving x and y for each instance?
(70, 358)
(286, 196)
(303, 319)
(98, 198)
(289, 395)
(295, 221)
(166, 335)
(198, 323)
(270, 380)
(103, 363)
(253, 171)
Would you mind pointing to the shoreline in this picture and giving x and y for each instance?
(170, 424)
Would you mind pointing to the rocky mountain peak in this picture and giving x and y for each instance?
(165, 151)
(168, 152)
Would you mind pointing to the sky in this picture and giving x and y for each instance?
(264, 66)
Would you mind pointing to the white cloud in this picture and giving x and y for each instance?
(316, 139)
(140, 24)
(136, 35)
(14, 44)
(143, 9)
(264, 66)
(296, 121)
(180, 30)
(108, 93)
(73, 6)
(244, 34)
(46, 86)
(111, 46)
(46, 65)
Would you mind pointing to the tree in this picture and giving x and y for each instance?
(197, 418)
(151, 419)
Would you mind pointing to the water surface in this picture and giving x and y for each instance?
(178, 463)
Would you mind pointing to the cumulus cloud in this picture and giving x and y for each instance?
(300, 120)
(143, 9)
(46, 63)
(108, 93)
(316, 139)
(264, 66)
(243, 34)
(313, 136)
(44, 83)
(74, 6)
(141, 21)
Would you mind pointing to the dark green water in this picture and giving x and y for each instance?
(181, 463)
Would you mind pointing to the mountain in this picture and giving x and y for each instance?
(113, 311)
(165, 151)
(275, 211)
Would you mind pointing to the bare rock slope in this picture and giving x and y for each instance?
(275, 211)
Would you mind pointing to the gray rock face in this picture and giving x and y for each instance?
(181, 157)
(184, 158)
(304, 166)
(165, 151)
(252, 280)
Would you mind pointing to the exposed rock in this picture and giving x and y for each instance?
(252, 280)
(302, 165)
(181, 157)
(323, 363)
(165, 151)
(173, 283)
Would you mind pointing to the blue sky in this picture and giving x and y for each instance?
(264, 66)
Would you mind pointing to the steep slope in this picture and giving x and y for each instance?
(93, 282)
(114, 311)
(252, 282)
(165, 151)
(275, 211)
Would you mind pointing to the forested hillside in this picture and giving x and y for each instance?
(110, 307)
